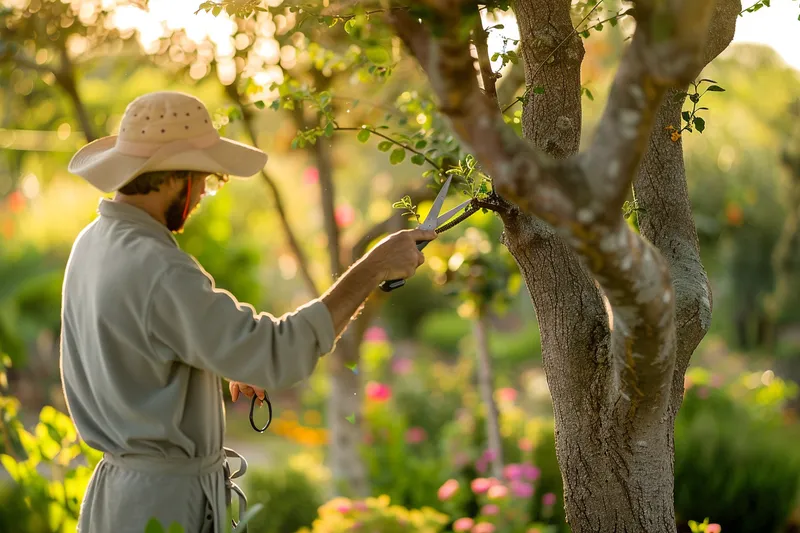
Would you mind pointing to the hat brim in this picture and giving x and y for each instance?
(107, 169)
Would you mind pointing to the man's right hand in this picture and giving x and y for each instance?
(397, 256)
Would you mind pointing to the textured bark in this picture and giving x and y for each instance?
(486, 387)
(616, 386)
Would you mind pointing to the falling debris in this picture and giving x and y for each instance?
(352, 418)
(353, 367)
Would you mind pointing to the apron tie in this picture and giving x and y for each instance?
(231, 487)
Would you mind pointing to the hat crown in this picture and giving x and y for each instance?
(163, 117)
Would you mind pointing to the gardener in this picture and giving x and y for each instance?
(146, 336)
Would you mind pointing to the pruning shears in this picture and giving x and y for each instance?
(437, 223)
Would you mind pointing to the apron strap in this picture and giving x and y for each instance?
(231, 487)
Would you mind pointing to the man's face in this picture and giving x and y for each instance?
(175, 208)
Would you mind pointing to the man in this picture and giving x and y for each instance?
(146, 335)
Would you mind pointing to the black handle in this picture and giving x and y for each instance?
(392, 284)
(252, 406)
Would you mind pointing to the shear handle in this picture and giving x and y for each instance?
(392, 284)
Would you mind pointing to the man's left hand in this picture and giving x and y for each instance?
(237, 387)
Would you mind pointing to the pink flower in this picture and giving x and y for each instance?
(480, 485)
(311, 176)
(716, 381)
(507, 394)
(497, 492)
(490, 509)
(713, 528)
(525, 444)
(489, 455)
(530, 472)
(449, 488)
(462, 524)
(549, 499)
(344, 215)
(512, 471)
(402, 366)
(460, 459)
(378, 392)
(415, 435)
(360, 506)
(702, 393)
(483, 527)
(481, 465)
(343, 508)
(375, 334)
(520, 489)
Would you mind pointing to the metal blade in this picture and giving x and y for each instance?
(447, 216)
(433, 215)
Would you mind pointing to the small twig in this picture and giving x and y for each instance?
(543, 63)
(487, 74)
(398, 143)
(743, 11)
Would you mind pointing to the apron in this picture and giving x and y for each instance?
(126, 491)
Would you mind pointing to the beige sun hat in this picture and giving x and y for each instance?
(164, 130)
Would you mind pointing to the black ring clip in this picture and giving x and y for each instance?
(252, 407)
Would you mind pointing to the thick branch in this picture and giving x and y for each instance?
(665, 218)
(66, 78)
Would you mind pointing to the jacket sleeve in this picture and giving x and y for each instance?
(208, 328)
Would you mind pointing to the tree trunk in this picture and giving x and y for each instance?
(619, 313)
(486, 387)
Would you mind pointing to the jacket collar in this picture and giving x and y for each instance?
(130, 213)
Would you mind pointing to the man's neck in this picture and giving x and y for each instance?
(148, 204)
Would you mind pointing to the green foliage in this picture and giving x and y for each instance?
(289, 494)
(690, 117)
(410, 210)
(735, 458)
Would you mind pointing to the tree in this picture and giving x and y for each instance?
(621, 307)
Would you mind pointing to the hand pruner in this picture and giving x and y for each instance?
(437, 223)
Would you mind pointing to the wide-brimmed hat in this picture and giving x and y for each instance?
(164, 130)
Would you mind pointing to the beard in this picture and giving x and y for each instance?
(174, 213)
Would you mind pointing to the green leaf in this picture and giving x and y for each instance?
(349, 26)
(248, 516)
(716, 88)
(259, 104)
(686, 115)
(585, 33)
(706, 79)
(418, 159)
(421, 144)
(329, 129)
(599, 26)
(385, 146)
(176, 528)
(215, 11)
(363, 135)
(495, 56)
(538, 90)
(154, 526)
(699, 124)
(378, 55)
(613, 22)
(351, 418)
(397, 156)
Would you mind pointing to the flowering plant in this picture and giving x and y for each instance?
(342, 515)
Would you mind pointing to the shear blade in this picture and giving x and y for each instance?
(431, 221)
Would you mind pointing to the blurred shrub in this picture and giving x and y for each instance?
(411, 305)
(43, 504)
(342, 515)
(290, 495)
(737, 461)
(444, 330)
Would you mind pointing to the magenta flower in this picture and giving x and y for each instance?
(520, 489)
(415, 435)
(375, 334)
(480, 485)
(490, 509)
(513, 471)
(549, 499)
(713, 528)
(378, 392)
(447, 489)
(462, 524)
(530, 472)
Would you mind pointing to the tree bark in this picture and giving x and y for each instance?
(619, 313)
(486, 387)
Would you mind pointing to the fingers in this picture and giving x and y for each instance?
(238, 388)
(234, 387)
(422, 235)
